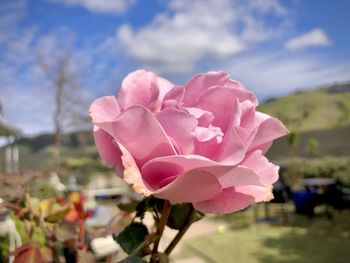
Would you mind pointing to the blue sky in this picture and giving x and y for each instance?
(273, 47)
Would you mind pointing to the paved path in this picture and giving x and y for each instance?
(199, 228)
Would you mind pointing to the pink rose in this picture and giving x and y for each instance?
(202, 142)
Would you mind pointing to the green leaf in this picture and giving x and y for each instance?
(133, 259)
(128, 207)
(57, 213)
(149, 203)
(178, 215)
(141, 209)
(131, 237)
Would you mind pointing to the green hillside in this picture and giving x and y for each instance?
(324, 108)
(321, 115)
(335, 142)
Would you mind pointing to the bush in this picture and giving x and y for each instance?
(334, 167)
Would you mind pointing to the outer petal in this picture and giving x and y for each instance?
(259, 193)
(235, 176)
(180, 126)
(108, 151)
(104, 109)
(193, 186)
(265, 147)
(140, 133)
(259, 118)
(139, 88)
(268, 172)
(186, 162)
(227, 202)
(167, 168)
(267, 131)
(159, 169)
(132, 173)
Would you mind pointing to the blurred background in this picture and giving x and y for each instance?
(56, 56)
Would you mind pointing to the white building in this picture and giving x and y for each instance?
(9, 136)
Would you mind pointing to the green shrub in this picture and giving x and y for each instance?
(334, 167)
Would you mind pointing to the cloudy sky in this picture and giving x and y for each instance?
(273, 47)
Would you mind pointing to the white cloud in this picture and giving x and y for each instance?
(101, 6)
(314, 38)
(277, 74)
(11, 12)
(268, 5)
(176, 41)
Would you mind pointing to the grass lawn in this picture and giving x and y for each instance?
(319, 240)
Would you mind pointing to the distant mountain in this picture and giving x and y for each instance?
(73, 140)
(37, 152)
(335, 142)
(321, 115)
(324, 108)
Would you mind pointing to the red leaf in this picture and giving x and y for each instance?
(32, 253)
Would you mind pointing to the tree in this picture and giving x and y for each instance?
(69, 104)
(313, 147)
(293, 139)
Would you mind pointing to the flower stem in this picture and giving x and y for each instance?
(160, 228)
(81, 244)
(190, 219)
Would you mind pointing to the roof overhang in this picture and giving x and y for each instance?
(7, 129)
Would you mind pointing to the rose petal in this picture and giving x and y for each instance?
(227, 202)
(140, 133)
(180, 126)
(161, 168)
(208, 141)
(109, 152)
(268, 172)
(199, 83)
(232, 149)
(241, 93)
(157, 172)
(132, 173)
(266, 132)
(173, 99)
(204, 134)
(248, 116)
(259, 193)
(234, 176)
(139, 88)
(186, 162)
(169, 166)
(221, 102)
(193, 186)
(205, 118)
(265, 147)
(164, 87)
(104, 109)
